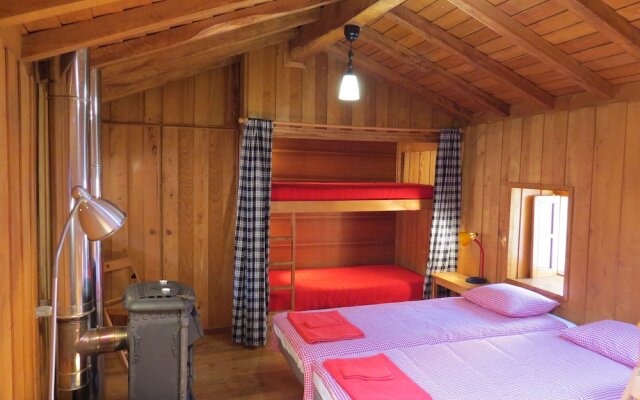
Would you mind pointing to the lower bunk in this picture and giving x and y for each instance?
(345, 286)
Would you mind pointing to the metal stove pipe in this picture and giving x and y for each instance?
(69, 103)
(95, 189)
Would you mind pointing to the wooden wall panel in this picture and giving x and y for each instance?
(324, 160)
(335, 239)
(595, 151)
(198, 214)
(579, 170)
(273, 91)
(417, 164)
(170, 160)
(606, 201)
(509, 172)
(628, 295)
(19, 338)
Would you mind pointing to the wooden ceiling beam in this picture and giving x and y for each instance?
(123, 79)
(608, 22)
(16, 12)
(340, 51)
(443, 39)
(219, 44)
(129, 85)
(395, 50)
(126, 24)
(170, 38)
(501, 23)
(329, 28)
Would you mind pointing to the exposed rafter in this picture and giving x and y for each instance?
(608, 22)
(16, 12)
(382, 72)
(218, 43)
(401, 53)
(127, 85)
(123, 79)
(200, 29)
(441, 38)
(315, 37)
(124, 25)
(501, 23)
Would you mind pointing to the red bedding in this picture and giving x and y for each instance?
(345, 286)
(320, 191)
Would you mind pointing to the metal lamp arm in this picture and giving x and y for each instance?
(481, 257)
(53, 337)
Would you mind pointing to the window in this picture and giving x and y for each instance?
(538, 236)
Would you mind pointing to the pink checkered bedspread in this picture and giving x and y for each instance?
(414, 323)
(538, 365)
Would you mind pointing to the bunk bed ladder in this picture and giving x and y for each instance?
(291, 264)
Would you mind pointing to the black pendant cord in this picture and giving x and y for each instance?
(350, 62)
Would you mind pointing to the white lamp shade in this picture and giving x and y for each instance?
(349, 88)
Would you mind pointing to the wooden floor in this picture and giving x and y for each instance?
(224, 371)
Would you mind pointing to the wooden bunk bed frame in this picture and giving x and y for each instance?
(298, 207)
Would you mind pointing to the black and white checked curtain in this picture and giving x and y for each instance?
(251, 259)
(443, 246)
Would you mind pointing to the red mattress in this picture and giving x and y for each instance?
(319, 191)
(345, 286)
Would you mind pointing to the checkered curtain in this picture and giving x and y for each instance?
(251, 260)
(443, 247)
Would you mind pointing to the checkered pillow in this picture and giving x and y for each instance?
(509, 300)
(616, 340)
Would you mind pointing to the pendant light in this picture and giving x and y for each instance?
(349, 88)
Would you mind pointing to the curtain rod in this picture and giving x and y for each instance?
(244, 120)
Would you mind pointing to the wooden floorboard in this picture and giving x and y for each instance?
(224, 370)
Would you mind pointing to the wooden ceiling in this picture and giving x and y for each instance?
(465, 56)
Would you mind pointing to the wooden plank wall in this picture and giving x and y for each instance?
(416, 164)
(335, 239)
(310, 95)
(19, 338)
(274, 91)
(170, 160)
(595, 150)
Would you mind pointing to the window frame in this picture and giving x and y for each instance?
(513, 239)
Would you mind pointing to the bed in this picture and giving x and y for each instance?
(297, 289)
(539, 365)
(347, 286)
(407, 324)
(293, 197)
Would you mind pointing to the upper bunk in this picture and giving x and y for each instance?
(301, 197)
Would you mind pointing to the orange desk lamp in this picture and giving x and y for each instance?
(465, 239)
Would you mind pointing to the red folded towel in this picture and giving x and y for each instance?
(318, 320)
(326, 326)
(371, 369)
(347, 371)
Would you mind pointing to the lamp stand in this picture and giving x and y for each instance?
(53, 338)
(478, 280)
(98, 219)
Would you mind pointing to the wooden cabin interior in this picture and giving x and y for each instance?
(542, 94)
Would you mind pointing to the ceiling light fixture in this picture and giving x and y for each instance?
(349, 88)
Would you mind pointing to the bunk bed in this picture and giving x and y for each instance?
(308, 289)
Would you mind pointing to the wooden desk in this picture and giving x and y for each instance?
(453, 281)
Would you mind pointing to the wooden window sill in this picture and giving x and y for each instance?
(551, 286)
